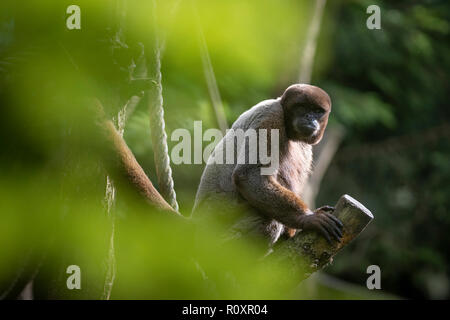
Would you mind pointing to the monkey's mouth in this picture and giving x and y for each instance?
(306, 131)
(308, 135)
(310, 130)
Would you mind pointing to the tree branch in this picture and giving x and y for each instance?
(308, 252)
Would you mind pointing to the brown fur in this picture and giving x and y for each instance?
(126, 165)
(274, 204)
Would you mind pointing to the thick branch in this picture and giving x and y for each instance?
(308, 252)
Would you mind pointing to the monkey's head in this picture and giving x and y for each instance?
(306, 109)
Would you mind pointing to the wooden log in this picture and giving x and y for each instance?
(308, 251)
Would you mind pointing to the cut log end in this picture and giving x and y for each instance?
(308, 251)
(348, 201)
(353, 215)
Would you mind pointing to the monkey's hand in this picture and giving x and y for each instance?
(324, 223)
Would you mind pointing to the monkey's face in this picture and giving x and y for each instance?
(306, 109)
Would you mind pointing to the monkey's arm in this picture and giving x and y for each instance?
(268, 196)
(281, 204)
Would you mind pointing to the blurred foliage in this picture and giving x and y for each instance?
(389, 89)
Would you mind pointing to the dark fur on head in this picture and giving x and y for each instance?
(306, 109)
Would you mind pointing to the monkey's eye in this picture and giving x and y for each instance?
(318, 111)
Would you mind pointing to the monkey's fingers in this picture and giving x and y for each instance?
(335, 227)
(336, 220)
(326, 208)
(324, 232)
(335, 232)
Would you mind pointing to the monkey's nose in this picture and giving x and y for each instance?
(311, 127)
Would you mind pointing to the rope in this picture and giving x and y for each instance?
(157, 124)
(158, 133)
